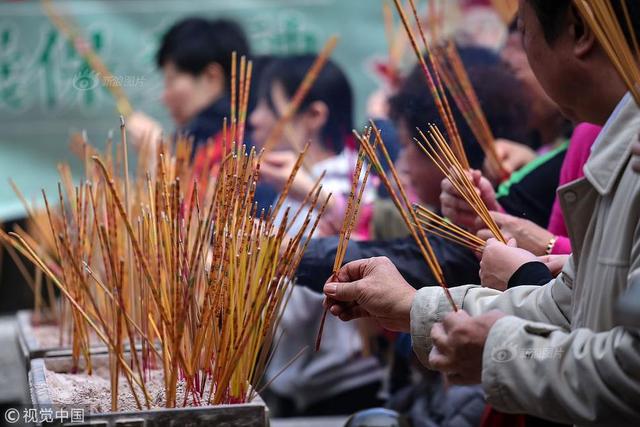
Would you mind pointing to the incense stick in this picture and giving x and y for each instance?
(459, 86)
(437, 149)
(403, 205)
(358, 186)
(300, 94)
(93, 59)
(433, 80)
(603, 21)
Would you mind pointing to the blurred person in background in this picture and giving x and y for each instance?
(195, 60)
(339, 379)
(325, 121)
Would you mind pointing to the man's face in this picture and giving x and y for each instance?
(551, 63)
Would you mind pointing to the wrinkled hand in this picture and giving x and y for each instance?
(555, 263)
(635, 162)
(500, 261)
(371, 288)
(275, 169)
(529, 235)
(458, 343)
(513, 155)
(457, 209)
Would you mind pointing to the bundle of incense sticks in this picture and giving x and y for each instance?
(300, 94)
(93, 59)
(195, 280)
(459, 85)
(439, 226)
(610, 32)
(507, 9)
(437, 149)
(203, 292)
(434, 82)
(358, 185)
(402, 203)
(35, 224)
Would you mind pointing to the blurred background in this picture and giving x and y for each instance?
(48, 92)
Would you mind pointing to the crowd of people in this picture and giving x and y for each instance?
(536, 339)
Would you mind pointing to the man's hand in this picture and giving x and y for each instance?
(529, 235)
(458, 343)
(500, 261)
(635, 162)
(371, 288)
(457, 209)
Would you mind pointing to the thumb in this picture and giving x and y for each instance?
(343, 292)
(512, 243)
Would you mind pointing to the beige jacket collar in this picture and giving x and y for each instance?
(613, 147)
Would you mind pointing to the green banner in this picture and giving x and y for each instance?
(47, 91)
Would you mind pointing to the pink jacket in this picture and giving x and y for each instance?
(584, 135)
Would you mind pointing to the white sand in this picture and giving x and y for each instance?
(94, 391)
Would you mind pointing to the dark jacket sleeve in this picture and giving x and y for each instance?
(459, 265)
(531, 273)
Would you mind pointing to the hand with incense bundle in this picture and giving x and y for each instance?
(371, 288)
(458, 210)
(499, 262)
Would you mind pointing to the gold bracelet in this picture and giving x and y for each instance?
(551, 244)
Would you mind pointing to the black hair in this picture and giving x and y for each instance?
(501, 96)
(331, 87)
(194, 43)
(552, 14)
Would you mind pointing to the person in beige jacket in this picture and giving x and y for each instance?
(553, 351)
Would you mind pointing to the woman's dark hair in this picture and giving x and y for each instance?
(551, 15)
(331, 87)
(500, 94)
(194, 43)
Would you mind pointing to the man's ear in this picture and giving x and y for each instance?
(584, 39)
(316, 116)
